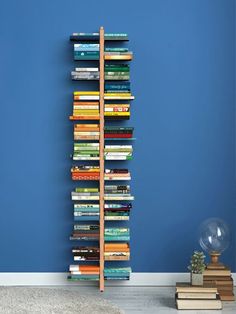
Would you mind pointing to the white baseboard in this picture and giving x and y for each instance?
(59, 279)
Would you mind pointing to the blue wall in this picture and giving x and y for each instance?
(184, 115)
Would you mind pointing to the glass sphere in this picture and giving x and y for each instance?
(214, 235)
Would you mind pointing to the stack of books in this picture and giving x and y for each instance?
(94, 95)
(222, 280)
(86, 151)
(119, 72)
(117, 251)
(85, 232)
(112, 193)
(86, 253)
(189, 297)
(113, 72)
(117, 273)
(85, 173)
(93, 195)
(118, 152)
(118, 54)
(95, 36)
(85, 212)
(117, 174)
(87, 110)
(86, 132)
(117, 234)
(117, 211)
(114, 132)
(85, 74)
(83, 272)
(90, 151)
(86, 51)
(118, 192)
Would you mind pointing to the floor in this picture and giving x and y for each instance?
(146, 300)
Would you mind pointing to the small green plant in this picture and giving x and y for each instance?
(197, 263)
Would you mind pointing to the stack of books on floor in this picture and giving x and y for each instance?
(115, 72)
(86, 151)
(189, 297)
(222, 280)
(86, 132)
(85, 212)
(86, 51)
(90, 111)
(86, 253)
(85, 232)
(117, 234)
(117, 174)
(95, 36)
(117, 251)
(80, 195)
(118, 192)
(85, 173)
(117, 273)
(118, 152)
(114, 132)
(85, 74)
(94, 95)
(83, 272)
(117, 211)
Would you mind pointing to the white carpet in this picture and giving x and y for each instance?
(23, 300)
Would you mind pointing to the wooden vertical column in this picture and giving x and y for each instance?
(101, 156)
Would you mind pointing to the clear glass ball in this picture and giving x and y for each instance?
(214, 235)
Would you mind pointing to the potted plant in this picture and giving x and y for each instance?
(197, 267)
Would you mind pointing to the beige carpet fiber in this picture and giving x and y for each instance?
(22, 300)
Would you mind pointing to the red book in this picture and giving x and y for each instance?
(116, 135)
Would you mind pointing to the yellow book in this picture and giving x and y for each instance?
(86, 93)
(117, 94)
(117, 105)
(110, 113)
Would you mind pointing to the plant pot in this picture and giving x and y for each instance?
(196, 279)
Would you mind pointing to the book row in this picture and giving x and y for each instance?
(90, 151)
(95, 36)
(94, 95)
(93, 173)
(91, 52)
(112, 252)
(91, 272)
(91, 212)
(91, 132)
(113, 72)
(90, 111)
(91, 233)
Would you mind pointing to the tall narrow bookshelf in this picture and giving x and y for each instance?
(101, 212)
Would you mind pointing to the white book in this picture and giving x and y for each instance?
(85, 158)
(86, 107)
(116, 178)
(115, 157)
(86, 69)
(89, 97)
(85, 198)
(118, 146)
(116, 217)
(119, 198)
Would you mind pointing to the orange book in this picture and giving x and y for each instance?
(84, 117)
(86, 125)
